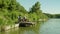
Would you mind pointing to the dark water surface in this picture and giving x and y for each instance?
(52, 26)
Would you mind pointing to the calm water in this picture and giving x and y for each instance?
(52, 26)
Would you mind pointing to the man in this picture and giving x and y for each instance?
(19, 18)
(24, 19)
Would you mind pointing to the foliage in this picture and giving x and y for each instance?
(36, 12)
(10, 10)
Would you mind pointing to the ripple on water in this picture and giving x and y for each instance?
(51, 27)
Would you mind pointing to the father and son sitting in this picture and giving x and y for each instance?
(24, 19)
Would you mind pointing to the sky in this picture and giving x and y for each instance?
(47, 6)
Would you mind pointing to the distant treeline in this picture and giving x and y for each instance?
(52, 15)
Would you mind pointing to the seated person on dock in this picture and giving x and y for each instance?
(24, 19)
(19, 18)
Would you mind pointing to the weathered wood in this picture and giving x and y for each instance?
(24, 24)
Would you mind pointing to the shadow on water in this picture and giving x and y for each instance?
(24, 30)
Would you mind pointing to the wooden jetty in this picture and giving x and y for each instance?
(26, 24)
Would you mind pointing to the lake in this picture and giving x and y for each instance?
(52, 26)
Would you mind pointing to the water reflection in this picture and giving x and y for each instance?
(24, 30)
(52, 26)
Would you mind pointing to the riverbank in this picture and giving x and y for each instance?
(8, 27)
(5, 28)
(23, 30)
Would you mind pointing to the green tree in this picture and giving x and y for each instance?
(36, 7)
(37, 12)
(10, 9)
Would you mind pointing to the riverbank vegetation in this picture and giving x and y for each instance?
(11, 9)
